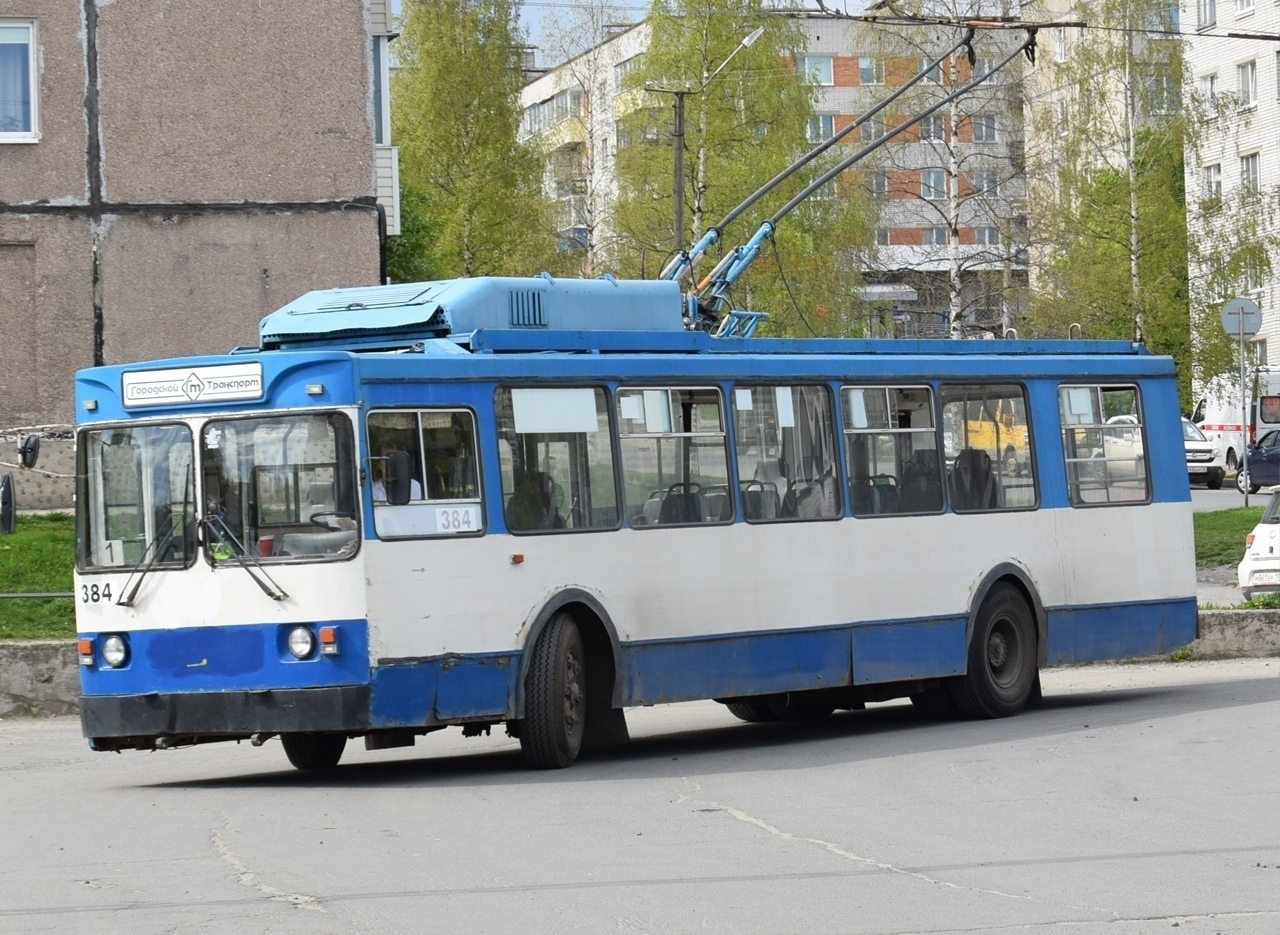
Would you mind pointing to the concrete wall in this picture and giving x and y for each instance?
(38, 678)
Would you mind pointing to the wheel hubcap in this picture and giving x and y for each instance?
(572, 691)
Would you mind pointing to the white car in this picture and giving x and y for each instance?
(1204, 458)
(1259, 570)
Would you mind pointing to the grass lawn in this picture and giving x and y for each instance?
(38, 558)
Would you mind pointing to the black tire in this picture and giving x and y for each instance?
(1002, 657)
(751, 712)
(802, 712)
(314, 751)
(1214, 482)
(555, 696)
(1241, 479)
(936, 704)
(1232, 462)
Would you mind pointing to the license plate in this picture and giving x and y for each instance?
(1266, 577)
(1197, 468)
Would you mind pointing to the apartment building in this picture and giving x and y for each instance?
(950, 233)
(1235, 82)
(172, 170)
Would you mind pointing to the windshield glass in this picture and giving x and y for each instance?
(136, 488)
(1192, 434)
(280, 489)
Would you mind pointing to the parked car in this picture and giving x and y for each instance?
(1259, 570)
(1264, 464)
(1204, 458)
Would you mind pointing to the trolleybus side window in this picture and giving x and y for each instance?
(556, 453)
(892, 445)
(1102, 439)
(988, 448)
(439, 446)
(675, 462)
(280, 488)
(138, 483)
(786, 453)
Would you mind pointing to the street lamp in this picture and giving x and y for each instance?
(677, 133)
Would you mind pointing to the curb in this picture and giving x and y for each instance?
(40, 678)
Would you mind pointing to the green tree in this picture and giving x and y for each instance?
(1108, 214)
(742, 128)
(455, 113)
(411, 255)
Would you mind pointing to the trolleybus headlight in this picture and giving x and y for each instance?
(114, 651)
(301, 642)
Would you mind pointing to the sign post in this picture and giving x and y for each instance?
(1241, 319)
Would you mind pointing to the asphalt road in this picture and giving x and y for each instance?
(1136, 799)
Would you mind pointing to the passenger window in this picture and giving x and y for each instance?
(675, 463)
(987, 443)
(444, 486)
(556, 459)
(1102, 438)
(786, 450)
(892, 447)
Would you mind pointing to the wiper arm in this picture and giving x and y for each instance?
(128, 594)
(238, 552)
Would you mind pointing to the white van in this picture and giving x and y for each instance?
(1217, 413)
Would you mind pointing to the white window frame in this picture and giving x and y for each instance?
(985, 129)
(873, 65)
(1212, 175)
(1206, 13)
(933, 181)
(933, 236)
(1244, 7)
(986, 236)
(1247, 83)
(33, 76)
(986, 184)
(882, 236)
(880, 185)
(821, 127)
(1060, 43)
(1250, 172)
(933, 127)
(1209, 85)
(818, 69)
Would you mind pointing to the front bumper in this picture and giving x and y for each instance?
(118, 722)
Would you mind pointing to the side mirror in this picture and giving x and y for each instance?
(29, 450)
(8, 508)
(399, 477)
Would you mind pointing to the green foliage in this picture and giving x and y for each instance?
(744, 127)
(411, 256)
(455, 113)
(1220, 535)
(1180, 655)
(38, 558)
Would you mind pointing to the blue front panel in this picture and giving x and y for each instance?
(898, 651)
(726, 667)
(1118, 631)
(449, 689)
(251, 657)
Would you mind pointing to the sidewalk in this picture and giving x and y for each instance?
(1217, 586)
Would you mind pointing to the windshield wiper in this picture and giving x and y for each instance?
(128, 594)
(238, 552)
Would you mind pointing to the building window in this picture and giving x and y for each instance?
(984, 128)
(1207, 13)
(1249, 172)
(870, 71)
(1060, 43)
(872, 130)
(933, 184)
(622, 69)
(1247, 83)
(880, 185)
(986, 185)
(934, 74)
(933, 236)
(933, 127)
(982, 66)
(882, 236)
(1212, 181)
(1244, 6)
(18, 106)
(1162, 95)
(821, 127)
(816, 68)
(1062, 112)
(1209, 86)
(987, 236)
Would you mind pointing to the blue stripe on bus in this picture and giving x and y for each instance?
(415, 692)
(250, 657)
(1118, 631)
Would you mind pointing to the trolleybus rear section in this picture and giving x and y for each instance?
(536, 503)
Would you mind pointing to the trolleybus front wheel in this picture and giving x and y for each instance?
(555, 696)
(314, 751)
(751, 711)
(1002, 657)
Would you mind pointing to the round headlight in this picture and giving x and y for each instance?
(114, 651)
(301, 642)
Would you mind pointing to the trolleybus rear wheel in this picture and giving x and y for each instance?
(1002, 657)
(314, 751)
(555, 696)
(751, 711)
